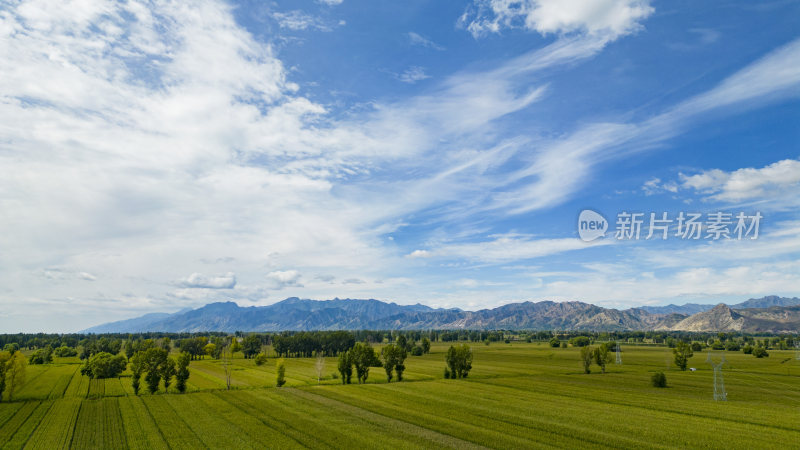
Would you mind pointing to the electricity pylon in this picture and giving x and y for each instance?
(719, 383)
(619, 354)
(797, 347)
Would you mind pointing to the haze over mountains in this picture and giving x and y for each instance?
(767, 314)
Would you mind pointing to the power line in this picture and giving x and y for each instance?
(719, 384)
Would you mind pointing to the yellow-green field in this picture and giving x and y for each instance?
(517, 396)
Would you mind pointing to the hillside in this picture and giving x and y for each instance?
(348, 314)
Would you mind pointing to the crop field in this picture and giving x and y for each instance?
(518, 395)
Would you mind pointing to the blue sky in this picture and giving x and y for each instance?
(156, 155)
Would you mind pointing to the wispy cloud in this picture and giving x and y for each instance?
(412, 75)
(198, 280)
(417, 39)
(297, 20)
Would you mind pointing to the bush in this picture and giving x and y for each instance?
(760, 352)
(555, 343)
(416, 351)
(260, 359)
(104, 365)
(747, 349)
(696, 346)
(580, 341)
(732, 346)
(659, 380)
(42, 356)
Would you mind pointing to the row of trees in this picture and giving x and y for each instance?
(156, 365)
(600, 356)
(13, 367)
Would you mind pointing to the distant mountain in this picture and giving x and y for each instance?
(775, 319)
(348, 314)
(694, 308)
(768, 301)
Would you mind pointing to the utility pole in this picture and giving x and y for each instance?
(719, 384)
(619, 354)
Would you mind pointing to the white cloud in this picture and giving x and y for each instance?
(507, 248)
(418, 39)
(607, 19)
(747, 183)
(200, 281)
(331, 2)
(419, 254)
(655, 186)
(297, 20)
(412, 75)
(280, 279)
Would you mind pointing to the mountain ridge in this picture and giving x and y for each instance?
(295, 314)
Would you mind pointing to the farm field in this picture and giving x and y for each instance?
(518, 395)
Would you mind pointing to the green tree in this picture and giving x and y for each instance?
(426, 345)
(42, 356)
(459, 360)
(659, 380)
(363, 357)
(129, 350)
(182, 374)
(236, 346)
(402, 341)
(104, 365)
(555, 342)
(393, 358)
(251, 346)
(260, 359)
(760, 352)
(167, 372)
(15, 373)
(345, 366)
(4, 358)
(682, 352)
(280, 372)
(137, 367)
(602, 357)
(154, 360)
(587, 355)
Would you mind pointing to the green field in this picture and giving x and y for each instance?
(518, 395)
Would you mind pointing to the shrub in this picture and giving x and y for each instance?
(696, 346)
(65, 351)
(659, 380)
(260, 359)
(417, 351)
(747, 349)
(732, 346)
(580, 341)
(760, 352)
(554, 342)
(104, 365)
(280, 376)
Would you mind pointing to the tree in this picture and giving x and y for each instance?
(555, 342)
(260, 359)
(426, 345)
(42, 356)
(580, 341)
(226, 356)
(64, 351)
(104, 365)
(154, 360)
(345, 366)
(166, 344)
(696, 346)
(682, 352)
(320, 366)
(363, 357)
(393, 358)
(251, 346)
(760, 352)
(587, 355)
(182, 374)
(129, 350)
(459, 360)
(15, 373)
(402, 341)
(280, 372)
(235, 346)
(4, 358)
(602, 357)
(659, 380)
(137, 367)
(167, 372)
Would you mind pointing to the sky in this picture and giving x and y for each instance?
(158, 155)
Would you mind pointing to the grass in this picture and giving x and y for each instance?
(517, 396)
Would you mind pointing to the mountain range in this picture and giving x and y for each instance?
(767, 314)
